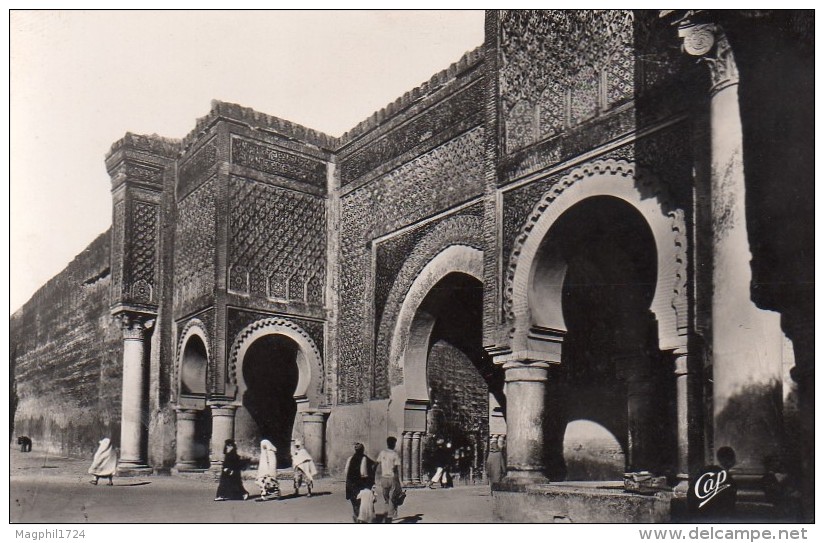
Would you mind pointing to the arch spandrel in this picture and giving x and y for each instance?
(308, 392)
(458, 231)
(619, 179)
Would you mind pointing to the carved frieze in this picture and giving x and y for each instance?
(461, 105)
(560, 68)
(195, 168)
(269, 159)
(556, 69)
(143, 172)
(118, 249)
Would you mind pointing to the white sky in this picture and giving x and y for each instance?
(81, 79)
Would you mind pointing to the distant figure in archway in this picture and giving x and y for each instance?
(104, 463)
(495, 467)
(443, 459)
(305, 469)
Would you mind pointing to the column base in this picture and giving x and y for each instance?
(184, 467)
(133, 469)
(520, 479)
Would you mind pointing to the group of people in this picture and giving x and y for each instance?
(449, 463)
(231, 486)
(366, 477)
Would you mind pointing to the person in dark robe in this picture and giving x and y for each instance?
(231, 485)
(495, 468)
(359, 476)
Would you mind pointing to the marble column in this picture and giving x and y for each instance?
(314, 426)
(416, 457)
(406, 449)
(223, 428)
(186, 454)
(525, 393)
(746, 341)
(134, 402)
(688, 415)
(640, 406)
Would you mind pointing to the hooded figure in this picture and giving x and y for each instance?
(304, 466)
(268, 471)
(104, 463)
(230, 486)
(495, 467)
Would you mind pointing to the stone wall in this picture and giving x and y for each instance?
(461, 392)
(66, 353)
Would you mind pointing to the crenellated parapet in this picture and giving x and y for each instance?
(259, 121)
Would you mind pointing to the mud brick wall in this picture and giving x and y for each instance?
(65, 358)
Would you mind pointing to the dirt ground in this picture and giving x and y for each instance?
(45, 489)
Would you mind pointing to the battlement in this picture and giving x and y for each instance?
(258, 120)
(158, 145)
(469, 60)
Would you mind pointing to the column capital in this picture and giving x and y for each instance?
(314, 416)
(708, 41)
(223, 410)
(525, 370)
(185, 412)
(133, 325)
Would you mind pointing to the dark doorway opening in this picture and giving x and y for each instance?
(270, 372)
(612, 372)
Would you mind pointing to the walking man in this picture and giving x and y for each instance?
(390, 466)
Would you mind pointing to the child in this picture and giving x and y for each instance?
(366, 514)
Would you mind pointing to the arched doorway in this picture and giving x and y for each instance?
(599, 262)
(270, 373)
(458, 374)
(194, 421)
(447, 376)
(277, 369)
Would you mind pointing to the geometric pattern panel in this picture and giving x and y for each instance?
(442, 178)
(277, 241)
(446, 114)
(117, 249)
(194, 169)
(142, 253)
(555, 61)
(194, 263)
